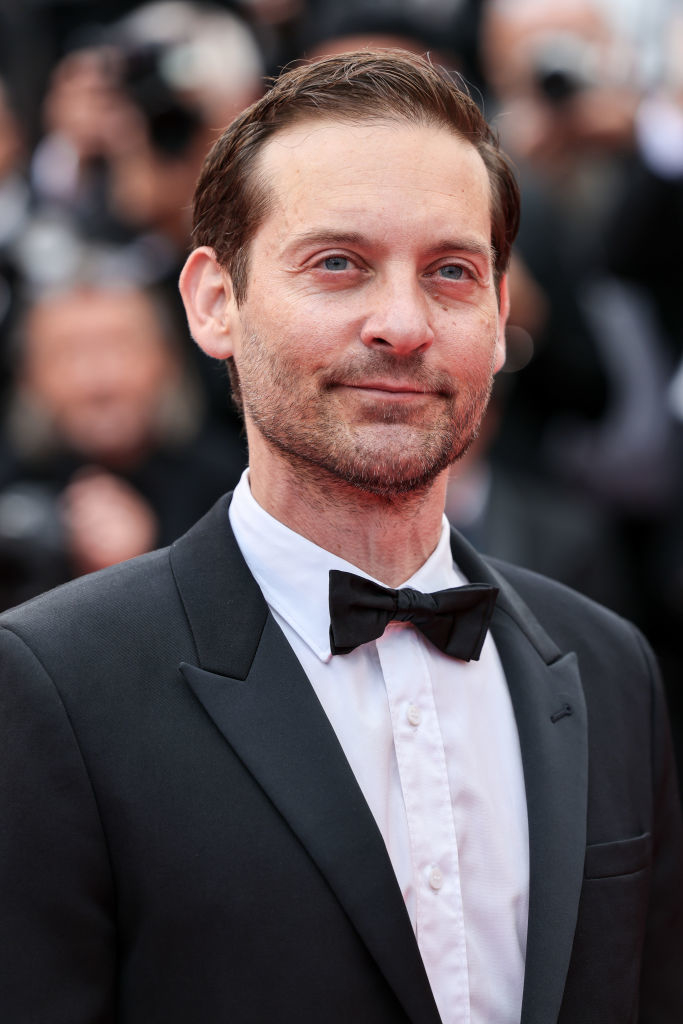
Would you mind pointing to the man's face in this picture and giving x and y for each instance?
(371, 327)
(98, 365)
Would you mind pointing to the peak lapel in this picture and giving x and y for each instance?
(555, 759)
(253, 687)
(549, 707)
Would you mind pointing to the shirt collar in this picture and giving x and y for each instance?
(293, 572)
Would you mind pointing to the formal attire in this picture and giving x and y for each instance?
(184, 839)
(433, 745)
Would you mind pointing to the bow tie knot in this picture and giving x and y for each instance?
(454, 620)
(409, 602)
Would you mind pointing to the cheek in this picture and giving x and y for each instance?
(305, 340)
(475, 347)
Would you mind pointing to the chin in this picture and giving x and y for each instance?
(388, 477)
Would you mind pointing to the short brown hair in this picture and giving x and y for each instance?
(232, 199)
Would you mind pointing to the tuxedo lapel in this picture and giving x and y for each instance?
(251, 684)
(253, 687)
(549, 708)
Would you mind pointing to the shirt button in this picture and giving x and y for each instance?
(435, 879)
(414, 715)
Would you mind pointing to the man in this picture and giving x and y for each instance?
(207, 814)
(105, 456)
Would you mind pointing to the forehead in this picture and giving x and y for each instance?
(83, 318)
(375, 170)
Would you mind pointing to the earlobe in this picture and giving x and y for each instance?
(209, 302)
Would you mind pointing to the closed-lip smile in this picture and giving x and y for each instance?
(383, 392)
(389, 387)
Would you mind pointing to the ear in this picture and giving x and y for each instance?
(503, 313)
(206, 290)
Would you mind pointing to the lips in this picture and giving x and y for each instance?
(392, 386)
(382, 376)
(389, 389)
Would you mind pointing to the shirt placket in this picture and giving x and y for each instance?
(439, 921)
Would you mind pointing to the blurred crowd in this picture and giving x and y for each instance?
(116, 433)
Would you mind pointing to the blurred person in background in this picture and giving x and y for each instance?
(85, 117)
(167, 70)
(105, 458)
(187, 70)
(328, 29)
(129, 118)
(128, 113)
(14, 213)
(590, 108)
(593, 398)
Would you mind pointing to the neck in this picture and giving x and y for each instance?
(387, 537)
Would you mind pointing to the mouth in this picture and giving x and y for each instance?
(395, 390)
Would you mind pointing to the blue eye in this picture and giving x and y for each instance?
(336, 263)
(452, 272)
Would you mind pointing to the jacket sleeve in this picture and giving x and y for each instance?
(56, 897)
(661, 986)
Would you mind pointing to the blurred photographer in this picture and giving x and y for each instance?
(568, 76)
(573, 90)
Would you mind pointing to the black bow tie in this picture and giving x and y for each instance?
(455, 620)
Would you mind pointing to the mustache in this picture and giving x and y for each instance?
(406, 371)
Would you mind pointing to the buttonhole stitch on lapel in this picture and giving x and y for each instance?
(565, 710)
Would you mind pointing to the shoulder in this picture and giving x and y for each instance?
(548, 597)
(129, 621)
(117, 608)
(128, 584)
(569, 617)
(123, 602)
(534, 598)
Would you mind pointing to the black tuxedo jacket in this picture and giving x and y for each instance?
(183, 842)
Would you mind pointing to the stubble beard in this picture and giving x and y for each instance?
(389, 451)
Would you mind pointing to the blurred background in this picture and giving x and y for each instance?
(116, 433)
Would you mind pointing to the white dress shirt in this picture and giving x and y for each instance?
(433, 744)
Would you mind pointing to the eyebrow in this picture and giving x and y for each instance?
(468, 245)
(328, 236)
(332, 236)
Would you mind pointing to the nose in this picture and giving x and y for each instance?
(398, 317)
